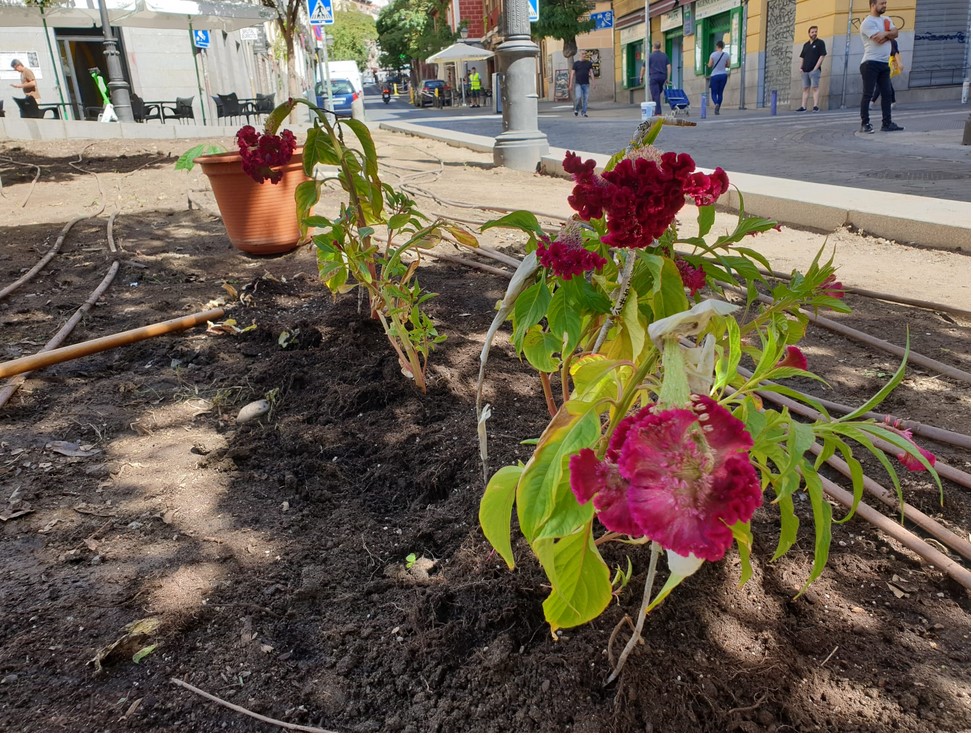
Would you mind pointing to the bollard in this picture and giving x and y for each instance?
(702, 106)
(773, 102)
(395, 89)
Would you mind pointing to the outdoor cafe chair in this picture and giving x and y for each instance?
(263, 105)
(138, 107)
(30, 109)
(182, 110)
(229, 106)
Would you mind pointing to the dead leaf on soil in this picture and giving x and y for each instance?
(131, 643)
(132, 707)
(90, 510)
(169, 515)
(49, 526)
(70, 449)
(8, 514)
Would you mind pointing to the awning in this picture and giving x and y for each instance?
(162, 14)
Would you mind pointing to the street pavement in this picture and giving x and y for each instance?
(927, 159)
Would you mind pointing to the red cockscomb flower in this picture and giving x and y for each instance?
(566, 256)
(693, 278)
(680, 476)
(833, 287)
(260, 152)
(794, 358)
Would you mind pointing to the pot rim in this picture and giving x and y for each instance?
(234, 157)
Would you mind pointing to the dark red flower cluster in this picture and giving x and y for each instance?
(262, 151)
(566, 256)
(693, 278)
(640, 197)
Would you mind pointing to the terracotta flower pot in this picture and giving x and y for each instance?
(260, 219)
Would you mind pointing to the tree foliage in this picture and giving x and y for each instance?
(411, 30)
(561, 19)
(353, 31)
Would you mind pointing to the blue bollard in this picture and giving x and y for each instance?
(702, 106)
(773, 102)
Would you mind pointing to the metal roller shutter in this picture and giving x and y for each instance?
(941, 43)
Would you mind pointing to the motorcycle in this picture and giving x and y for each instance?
(386, 94)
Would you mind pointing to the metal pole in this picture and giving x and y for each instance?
(199, 82)
(120, 100)
(646, 50)
(844, 77)
(50, 50)
(326, 68)
(521, 145)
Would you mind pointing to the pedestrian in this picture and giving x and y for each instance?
(812, 56)
(475, 86)
(719, 62)
(877, 36)
(895, 68)
(660, 71)
(28, 82)
(580, 81)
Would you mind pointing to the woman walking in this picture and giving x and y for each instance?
(719, 62)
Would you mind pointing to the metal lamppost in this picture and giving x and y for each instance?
(521, 145)
(646, 50)
(120, 100)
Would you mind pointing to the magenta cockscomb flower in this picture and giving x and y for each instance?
(260, 152)
(641, 196)
(833, 287)
(908, 461)
(793, 358)
(680, 476)
(567, 257)
(693, 278)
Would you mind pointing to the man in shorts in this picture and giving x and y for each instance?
(812, 56)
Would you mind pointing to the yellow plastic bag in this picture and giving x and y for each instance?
(894, 67)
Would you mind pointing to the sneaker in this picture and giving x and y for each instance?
(891, 128)
(585, 114)
(867, 128)
(801, 109)
(815, 109)
(575, 113)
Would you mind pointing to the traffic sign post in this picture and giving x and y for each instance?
(603, 20)
(321, 12)
(201, 39)
(533, 10)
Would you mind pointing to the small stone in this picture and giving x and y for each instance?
(95, 561)
(253, 411)
(9, 679)
(135, 525)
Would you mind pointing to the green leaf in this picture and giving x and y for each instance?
(582, 295)
(705, 220)
(744, 538)
(886, 389)
(368, 145)
(496, 510)
(540, 348)
(596, 378)
(305, 197)
(187, 160)
(319, 148)
(580, 580)
(397, 221)
(545, 478)
(822, 523)
(563, 318)
(143, 652)
(630, 333)
(789, 525)
(671, 298)
(530, 308)
(519, 220)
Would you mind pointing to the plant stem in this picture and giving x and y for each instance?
(646, 599)
(548, 394)
(620, 294)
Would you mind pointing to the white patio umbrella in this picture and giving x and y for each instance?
(458, 53)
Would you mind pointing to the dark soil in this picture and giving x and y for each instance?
(274, 552)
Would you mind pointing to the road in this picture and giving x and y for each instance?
(926, 159)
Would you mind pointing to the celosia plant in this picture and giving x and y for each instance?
(658, 435)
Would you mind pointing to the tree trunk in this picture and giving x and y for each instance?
(293, 85)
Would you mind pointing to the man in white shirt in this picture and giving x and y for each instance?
(877, 34)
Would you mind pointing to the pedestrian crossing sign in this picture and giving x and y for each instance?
(321, 12)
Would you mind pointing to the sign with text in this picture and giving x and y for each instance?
(603, 20)
(201, 39)
(321, 12)
(707, 8)
(671, 20)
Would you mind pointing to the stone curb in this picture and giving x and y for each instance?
(905, 218)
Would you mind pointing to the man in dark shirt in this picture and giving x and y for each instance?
(580, 81)
(812, 56)
(659, 73)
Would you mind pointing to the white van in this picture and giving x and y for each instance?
(346, 70)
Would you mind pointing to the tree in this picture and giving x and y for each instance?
(289, 25)
(409, 31)
(352, 31)
(560, 19)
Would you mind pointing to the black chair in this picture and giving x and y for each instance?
(182, 110)
(2, 113)
(264, 105)
(229, 106)
(138, 107)
(30, 109)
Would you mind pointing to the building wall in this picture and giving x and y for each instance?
(598, 44)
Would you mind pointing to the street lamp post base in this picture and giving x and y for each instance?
(520, 150)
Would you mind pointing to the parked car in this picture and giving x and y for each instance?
(434, 92)
(343, 95)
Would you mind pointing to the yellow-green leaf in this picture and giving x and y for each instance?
(580, 580)
(496, 510)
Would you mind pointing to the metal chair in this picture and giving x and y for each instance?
(30, 109)
(264, 105)
(231, 107)
(138, 107)
(182, 110)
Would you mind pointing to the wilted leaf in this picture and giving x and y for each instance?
(139, 655)
(131, 643)
(70, 449)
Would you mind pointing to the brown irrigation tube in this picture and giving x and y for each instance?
(62, 354)
(927, 524)
(880, 344)
(6, 291)
(904, 537)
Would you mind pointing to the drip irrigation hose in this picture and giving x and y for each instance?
(62, 354)
(927, 524)
(912, 542)
(48, 257)
(470, 264)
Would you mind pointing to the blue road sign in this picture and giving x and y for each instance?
(533, 10)
(321, 12)
(603, 20)
(201, 39)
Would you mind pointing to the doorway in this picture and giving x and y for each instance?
(674, 51)
(81, 50)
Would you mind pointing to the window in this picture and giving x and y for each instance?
(633, 63)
